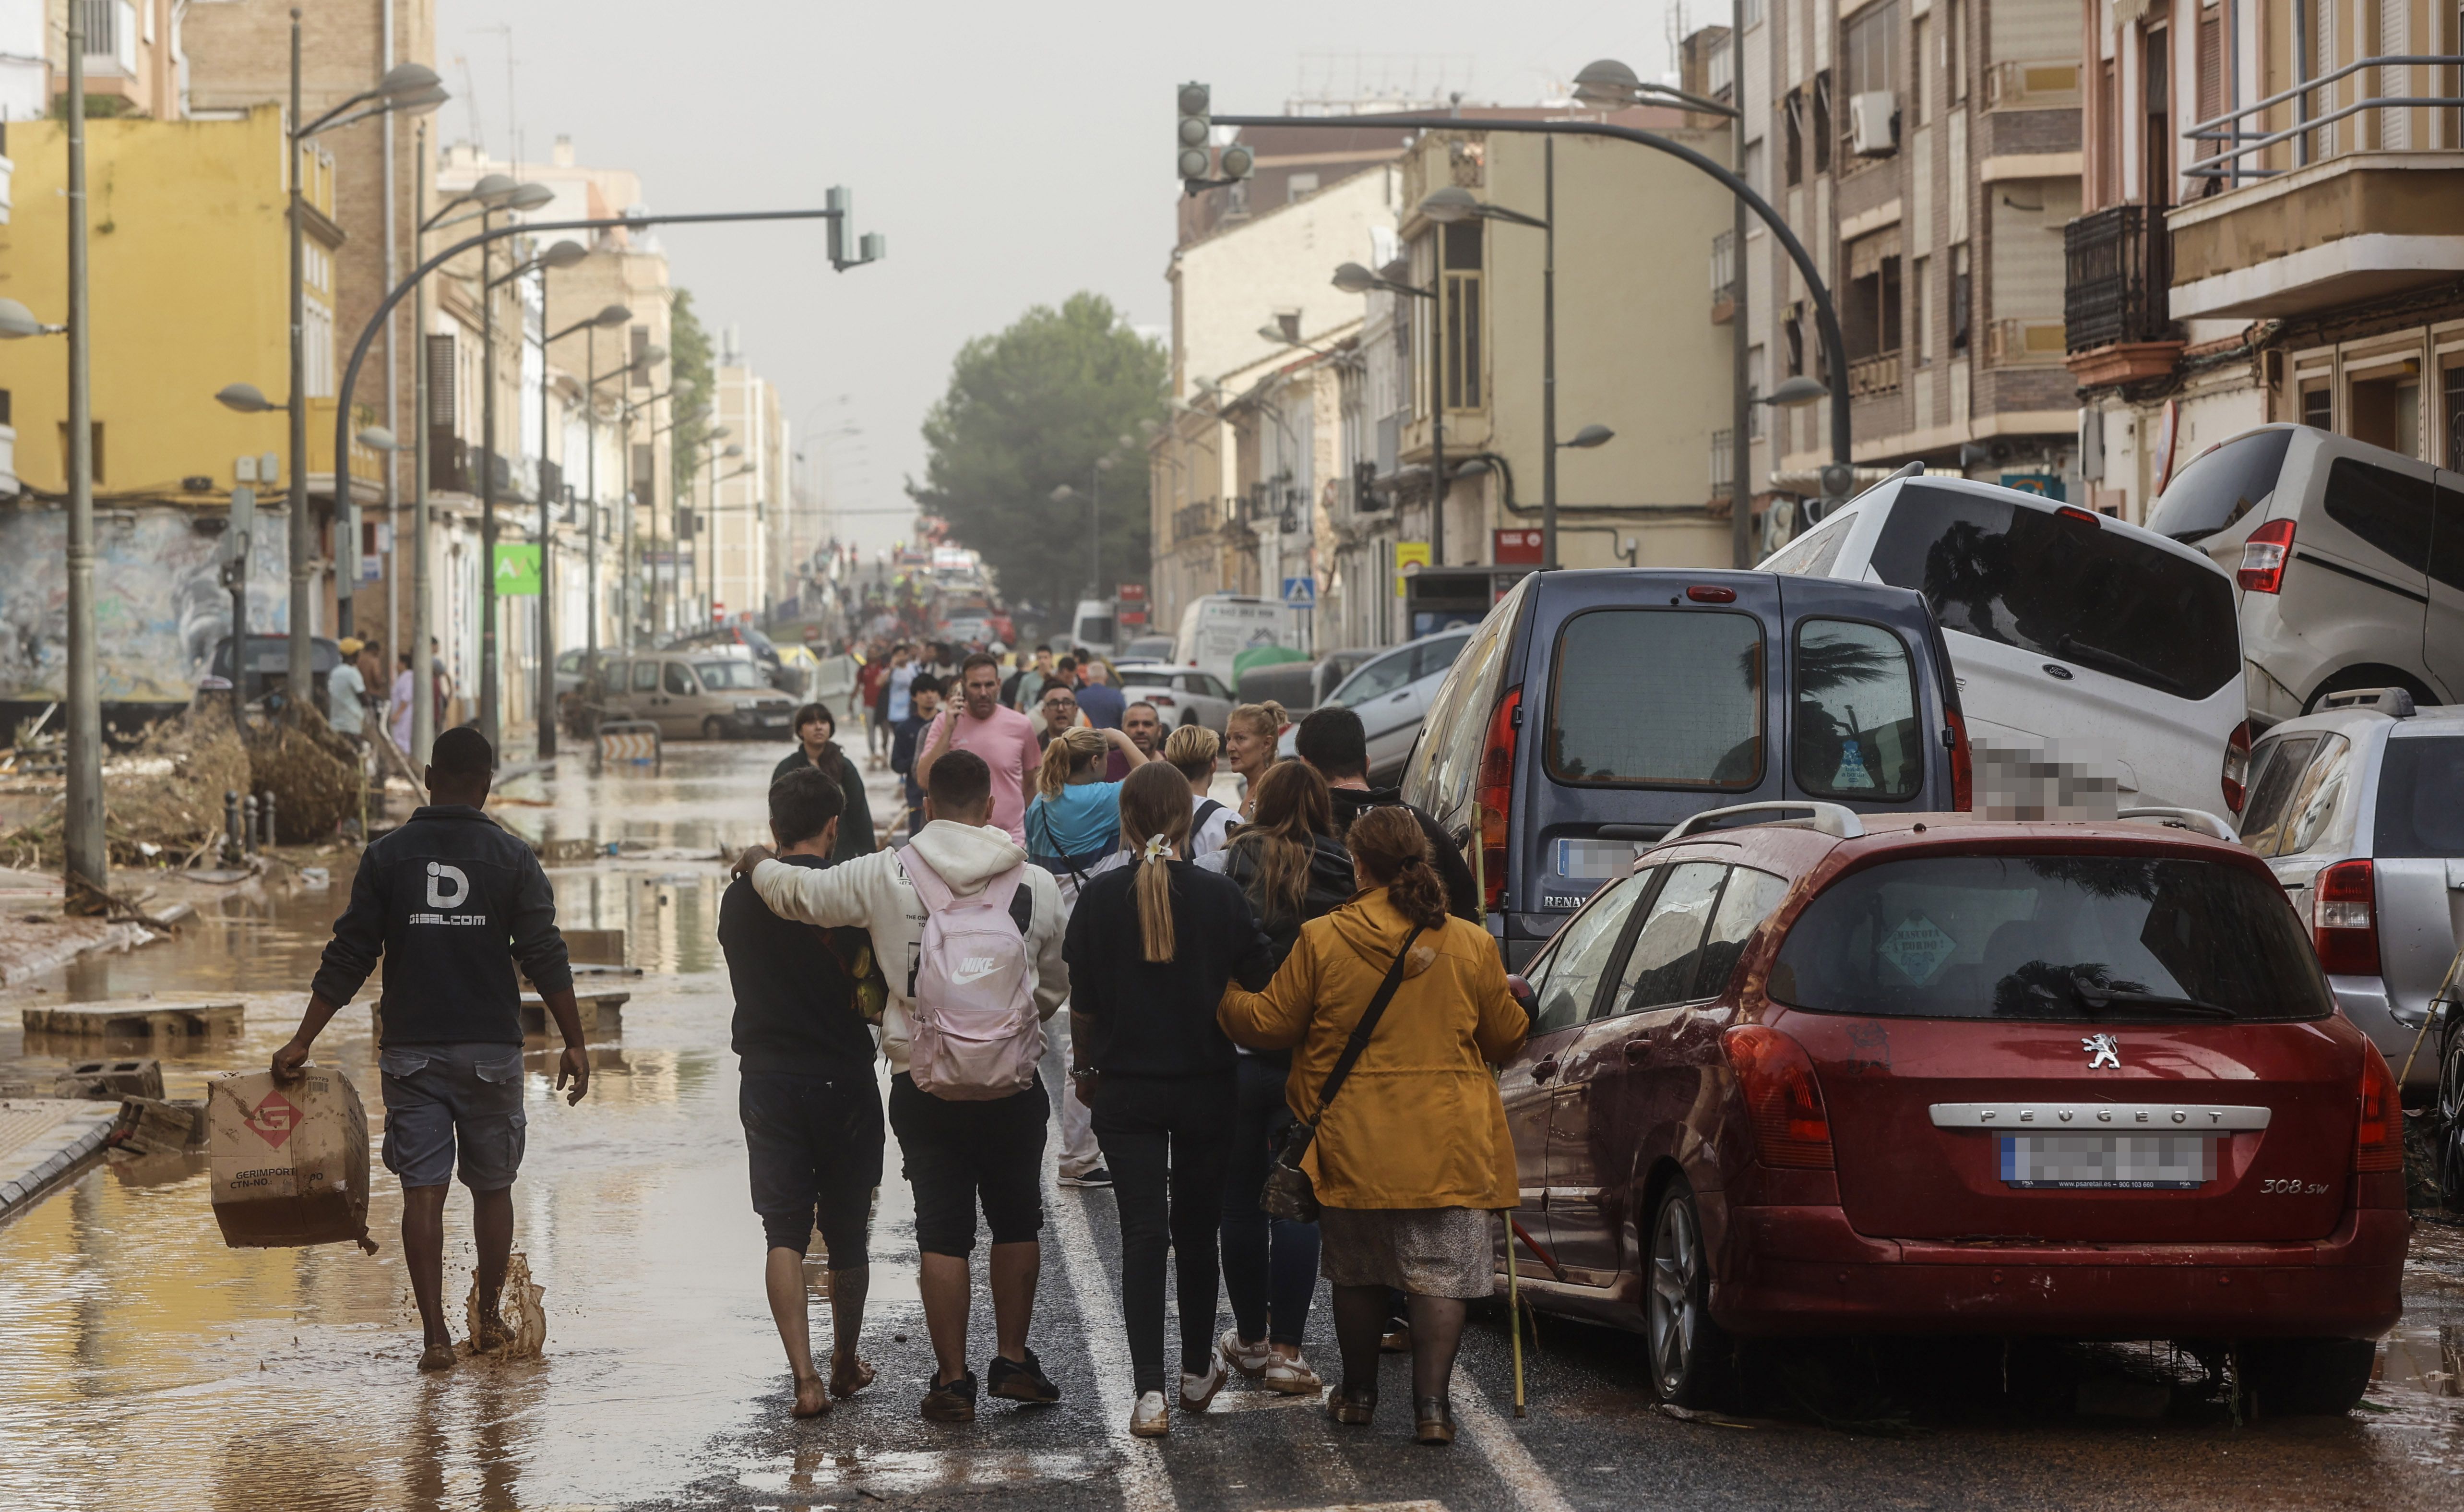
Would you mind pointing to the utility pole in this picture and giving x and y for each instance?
(1741, 440)
(546, 657)
(489, 725)
(86, 856)
(299, 687)
(423, 632)
(1549, 356)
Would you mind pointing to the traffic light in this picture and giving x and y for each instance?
(1197, 126)
(868, 248)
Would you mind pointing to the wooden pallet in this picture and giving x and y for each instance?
(143, 1018)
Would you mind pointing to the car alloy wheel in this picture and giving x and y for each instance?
(1677, 1322)
(2447, 1136)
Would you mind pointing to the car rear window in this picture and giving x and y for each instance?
(2421, 797)
(1658, 699)
(2219, 488)
(1856, 731)
(2387, 509)
(2062, 587)
(2062, 938)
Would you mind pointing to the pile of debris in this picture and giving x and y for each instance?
(163, 801)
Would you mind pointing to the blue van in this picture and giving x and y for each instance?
(1592, 711)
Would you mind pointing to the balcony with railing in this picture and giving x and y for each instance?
(2117, 324)
(2339, 189)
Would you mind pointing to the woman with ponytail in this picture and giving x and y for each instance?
(1413, 1154)
(1073, 824)
(1152, 947)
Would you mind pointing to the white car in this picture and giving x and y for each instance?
(2106, 647)
(2348, 561)
(1391, 692)
(1181, 695)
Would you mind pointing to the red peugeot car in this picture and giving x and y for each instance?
(1804, 1071)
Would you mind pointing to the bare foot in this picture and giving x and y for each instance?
(492, 1333)
(437, 1356)
(849, 1375)
(811, 1401)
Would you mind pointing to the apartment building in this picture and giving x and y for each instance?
(1928, 154)
(2274, 230)
(744, 496)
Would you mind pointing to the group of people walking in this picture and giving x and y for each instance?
(1280, 1022)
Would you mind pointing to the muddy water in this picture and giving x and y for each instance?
(141, 1358)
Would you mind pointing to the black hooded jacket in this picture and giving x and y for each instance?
(1330, 885)
(1463, 894)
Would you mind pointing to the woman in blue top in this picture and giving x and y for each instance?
(1074, 826)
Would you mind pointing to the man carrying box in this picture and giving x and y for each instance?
(450, 902)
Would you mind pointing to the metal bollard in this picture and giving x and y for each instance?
(265, 812)
(248, 827)
(234, 837)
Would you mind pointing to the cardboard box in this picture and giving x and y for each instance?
(290, 1159)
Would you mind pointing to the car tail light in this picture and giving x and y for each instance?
(2378, 1142)
(2263, 557)
(1782, 1097)
(2237, 766)
(2343, 922)
(2085, 517)
(1713, 596)
(1963, 765)
(1496, 791)
(1162, 700)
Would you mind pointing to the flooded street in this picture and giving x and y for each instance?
(141, 1362)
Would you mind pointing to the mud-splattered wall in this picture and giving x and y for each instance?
(160, 605)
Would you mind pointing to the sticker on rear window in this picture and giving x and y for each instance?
(1917, 948)
(1852, 772)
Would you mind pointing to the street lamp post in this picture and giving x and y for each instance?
(613, 315)
(86, 856)
(528, 196)
(563, 254)
(1353, 279)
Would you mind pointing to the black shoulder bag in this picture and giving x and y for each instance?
(1287, 1193)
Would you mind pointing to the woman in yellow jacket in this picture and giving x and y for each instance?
(1414, 1154)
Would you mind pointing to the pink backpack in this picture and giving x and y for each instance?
(974, 1035)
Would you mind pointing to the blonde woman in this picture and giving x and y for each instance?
(1073, 825)
(1192, 751)
(1249, 736)
(1152, 947)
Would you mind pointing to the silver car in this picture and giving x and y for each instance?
(2359, 809)
(1391, 692)
(1181, 694)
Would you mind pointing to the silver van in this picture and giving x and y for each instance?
(711, 694)
(2348, 562)
(2359, 809)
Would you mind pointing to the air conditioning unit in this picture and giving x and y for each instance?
(1873, 124)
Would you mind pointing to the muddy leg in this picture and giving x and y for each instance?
(782, 1278)
(423, 1251)
(492, 1225)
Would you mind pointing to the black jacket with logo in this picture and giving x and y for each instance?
(450, 902)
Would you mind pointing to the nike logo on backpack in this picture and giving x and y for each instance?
(974, 969)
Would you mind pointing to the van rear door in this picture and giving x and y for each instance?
(1645, 699)
(1865, 724)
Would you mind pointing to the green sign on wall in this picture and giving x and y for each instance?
(518, 570)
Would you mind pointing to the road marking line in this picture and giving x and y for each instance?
(1530, 1485)
(1145, 1486)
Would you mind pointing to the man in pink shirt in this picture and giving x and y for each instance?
(1003, 737)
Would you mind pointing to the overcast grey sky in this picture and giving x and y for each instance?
(1012, 153)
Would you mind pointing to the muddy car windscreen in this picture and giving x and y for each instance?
(2421, 799)
(2221, 487)
(728, 674)
(2063, 588)
(2065, 938)
(1655, 698)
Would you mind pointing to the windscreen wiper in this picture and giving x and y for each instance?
(2114, 661)
(2097, 997)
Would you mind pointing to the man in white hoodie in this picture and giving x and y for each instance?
(956, 1153)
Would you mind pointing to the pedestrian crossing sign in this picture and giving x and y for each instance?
(1300, 593)
(518, 570)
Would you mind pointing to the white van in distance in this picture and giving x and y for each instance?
(1216, 628)
(2067, 631)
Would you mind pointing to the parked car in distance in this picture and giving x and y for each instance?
(269, 663)
(757, 644)
(1391, 692)
(1092, 626)
(2347, 560)
(1925, 1074)
(2068, 630)
(2359, 810)
(1148, 648)
(716, 697)
(1592, 711)
(1301, 686)
(1181, 694)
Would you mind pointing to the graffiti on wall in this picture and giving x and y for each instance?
(159, 609)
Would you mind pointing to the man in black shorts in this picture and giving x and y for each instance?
(812, 1117)
(451, 902)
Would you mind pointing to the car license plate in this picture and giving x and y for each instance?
(774, 719)
(1595, 861)
(2142, 1162)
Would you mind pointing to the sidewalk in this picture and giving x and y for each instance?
(44, 1142)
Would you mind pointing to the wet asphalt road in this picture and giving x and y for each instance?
(142, 1362)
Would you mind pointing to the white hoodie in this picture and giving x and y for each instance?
(872, 893)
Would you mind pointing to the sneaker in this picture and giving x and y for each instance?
(1291, 1375)
(1250, 1360)
(1098, 1177)
(1021, 1383)
(1150, 1418)
(1197, 1392)
(952, 1403)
